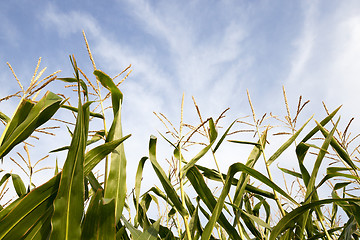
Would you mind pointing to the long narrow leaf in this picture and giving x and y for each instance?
(288, 220)
(169, 189)
(69, 203)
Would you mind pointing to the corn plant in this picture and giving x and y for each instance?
(249, 204)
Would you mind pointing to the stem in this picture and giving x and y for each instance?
(186, 218)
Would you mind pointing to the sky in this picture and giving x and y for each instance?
(211, 50)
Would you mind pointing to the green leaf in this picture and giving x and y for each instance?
(95, 185)
(288, 220)
(135, 233)
(339, 149)
(107, 82)
(69, 202)
(75, 80)
(25, 213)
(252, 159)
(19, 116)
(223, 136)
(318, 161)
(322, 123)
(74, 109)
(95, 155)
(349, 228)
(169, 189)
(25, 124)
(4, 117)
(138, 179)
(151, 233)
(18, 185)
(213, 135)
(116, 183)
(99, 221)
(286, 144)
(290, 172)
(221, 200)
(197, 181)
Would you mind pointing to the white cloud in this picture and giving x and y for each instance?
(68, 23)
(304, 43)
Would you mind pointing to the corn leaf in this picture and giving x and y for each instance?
(25, 124)
(19, 116)
(288, 220)
(151, 233)
(116, 181)
(69, 202)
(25, 213)
(197, 181)
(95, 155)
(74, 109)
(169, 189)
(18, 185)
(221, 200)
(4, 117)
(99, 221)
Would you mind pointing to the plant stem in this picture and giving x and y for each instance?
(186, 218)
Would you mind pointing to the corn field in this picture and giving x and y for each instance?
(78, 203)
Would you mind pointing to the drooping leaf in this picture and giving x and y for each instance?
(221, 200)
(169, 189)
(287, 221)
(197, 181)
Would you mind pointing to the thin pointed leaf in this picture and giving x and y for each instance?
(169, 189)
(192, 162)
(221, 200)
(339, 149)
(197, 181)
(290, 172)
(322, 123)
(74, 109)
(135, 233)
(288, 220)
(286, 144)
(223, 136)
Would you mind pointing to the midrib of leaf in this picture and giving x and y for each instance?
(69, 192)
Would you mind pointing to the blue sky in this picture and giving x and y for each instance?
(212, 50)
